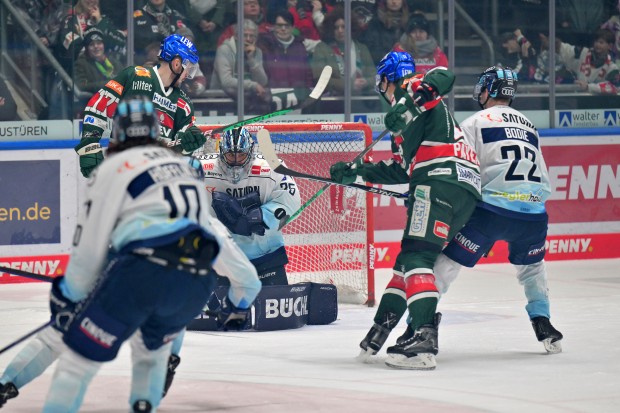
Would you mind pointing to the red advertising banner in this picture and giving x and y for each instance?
(50, 265)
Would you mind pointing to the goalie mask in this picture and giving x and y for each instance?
(135, 123)
(500, 82)
(236, 151)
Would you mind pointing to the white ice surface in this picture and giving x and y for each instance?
(489, 359)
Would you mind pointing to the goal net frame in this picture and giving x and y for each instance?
(344, 254)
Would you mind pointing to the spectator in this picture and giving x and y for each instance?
(152, 23)
(330, 51)
(209, 18)
(303, 22)
(386, 29)
(319, 11)
(520, 54)
(254, 78)
(84, 15)
(8, 106)
(593, 67)
(285, 59)
(577, 19)
(362, 11)
(420, 44)
(251, 11)
(613, 24)
(94, 68)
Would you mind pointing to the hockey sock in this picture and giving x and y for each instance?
(422, 299)
(392, 300)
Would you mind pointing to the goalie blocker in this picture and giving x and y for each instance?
(278, 307)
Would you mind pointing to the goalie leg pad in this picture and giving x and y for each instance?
(281, 307)
(322, 304)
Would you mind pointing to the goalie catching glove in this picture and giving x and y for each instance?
(91, 155)
(191, 139)
(242, 216)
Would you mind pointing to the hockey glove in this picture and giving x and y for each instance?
(231, 317)
(344, 172)
(191, 139)
(426, 97)
(90, 154)
(63, 310)
(399, 116)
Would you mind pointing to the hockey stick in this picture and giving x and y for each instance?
(320, 191)
(26, 274)
(26, 336)
(269, 153)
(314, 96)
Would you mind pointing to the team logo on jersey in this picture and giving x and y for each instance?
(420, 211)
(493, 118)
(181, 104)
(137, 13)
(115, 86)
(142, 71)
(441, 229)
(165, 120)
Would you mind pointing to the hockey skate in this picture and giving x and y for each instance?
(376, 337)
(173, 363)
(7, 391)
(417, 352)
(547, 334)
(406, 335)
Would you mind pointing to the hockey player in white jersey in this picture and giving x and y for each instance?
(515, 186)
(253, 201)
(151, 207)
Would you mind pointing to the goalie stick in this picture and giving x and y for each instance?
(269, 153)
(324, 188)
(314, 96)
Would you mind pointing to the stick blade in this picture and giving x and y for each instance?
(266, 148)
(321, 84)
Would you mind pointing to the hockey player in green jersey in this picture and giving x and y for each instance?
(429, 153)
(178, 61)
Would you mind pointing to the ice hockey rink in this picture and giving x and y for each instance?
(489, 359)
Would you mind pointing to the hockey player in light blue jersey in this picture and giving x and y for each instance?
(151, 207)
(515, 186)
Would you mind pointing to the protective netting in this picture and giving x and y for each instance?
(328, 242)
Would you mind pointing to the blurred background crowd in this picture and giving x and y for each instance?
(57, 53)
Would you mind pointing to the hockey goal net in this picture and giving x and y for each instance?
(331, 240)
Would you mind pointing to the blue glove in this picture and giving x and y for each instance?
(242, 216)
(232, 318)
(90, 154)
(191, 139)
(63, 310)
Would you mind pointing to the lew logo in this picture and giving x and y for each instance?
(286, 307)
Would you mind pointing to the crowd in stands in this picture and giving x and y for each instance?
(288, 42)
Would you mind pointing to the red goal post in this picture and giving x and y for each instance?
(332, 239)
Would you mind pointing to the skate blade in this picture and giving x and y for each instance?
(423, 361)
(552, 347)
(365, 356)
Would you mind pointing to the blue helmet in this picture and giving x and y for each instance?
(394, 66)
(236, 147)
(135, 123)
(176, 45)
(500, 82)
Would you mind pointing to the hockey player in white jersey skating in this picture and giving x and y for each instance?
(151, 207)
(515, 186)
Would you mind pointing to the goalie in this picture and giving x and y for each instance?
(252, 201)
